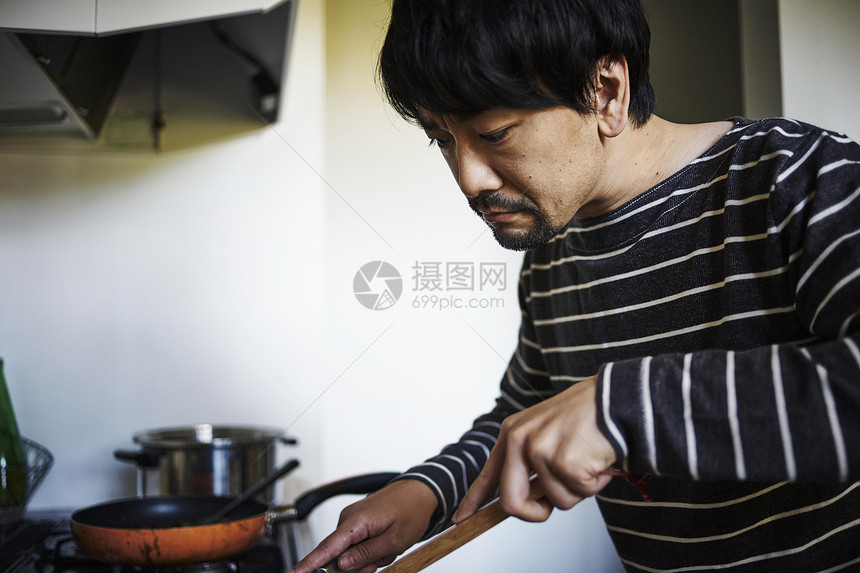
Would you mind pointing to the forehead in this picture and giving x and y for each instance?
(430, 121)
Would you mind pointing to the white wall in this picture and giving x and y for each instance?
(141, 290)
(819, 51)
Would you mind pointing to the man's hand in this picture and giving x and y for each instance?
(559, 442)
(374, 531)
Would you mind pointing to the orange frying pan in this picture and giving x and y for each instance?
(162, 530)
(175, 530)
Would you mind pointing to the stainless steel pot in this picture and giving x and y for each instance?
(204, 459)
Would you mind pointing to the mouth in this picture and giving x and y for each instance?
(498, 216)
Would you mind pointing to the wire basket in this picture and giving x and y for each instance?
(17, 484)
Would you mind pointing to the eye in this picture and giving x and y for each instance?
(439, 142)
(496, 136)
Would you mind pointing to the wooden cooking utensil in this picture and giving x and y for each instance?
(446, 542)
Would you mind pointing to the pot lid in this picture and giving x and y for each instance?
(206, 435)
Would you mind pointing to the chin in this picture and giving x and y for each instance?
(525, 240)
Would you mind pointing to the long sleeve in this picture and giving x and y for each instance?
(787, 410)
(450, 473)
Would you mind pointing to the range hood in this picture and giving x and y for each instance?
(101, 17)
(65, 62)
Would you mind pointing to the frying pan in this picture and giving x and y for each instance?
(167, 530)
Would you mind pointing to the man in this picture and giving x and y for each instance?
(690, 298)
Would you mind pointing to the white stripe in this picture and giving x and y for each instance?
(684, 505)
(448, 473)
(433, 485)
(648, 413)
(462, 465)
(507, 398)
(836, 288)
(824, 254)
(843, 331)
(528, 369)
(782, 414)
(566, 378)
(643, 270)
(681, 192)
(670, 333)
(610, 424)
(472, 460)
(657, 203)
(529, 343)
(797, 209)
(723, 536)
(854, 350)
(787, 173)
(689, 429)
(525, 392)
(734, 423)
(706, 214)
(835, 426)
(483, 447)
(834, 208)
(663, 300)
(836, 165)
(832, 417)
(840, 567)
(755, 559)
(477, 436)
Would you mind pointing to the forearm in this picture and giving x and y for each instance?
(773, 413)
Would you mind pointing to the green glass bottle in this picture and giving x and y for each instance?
(13, 482)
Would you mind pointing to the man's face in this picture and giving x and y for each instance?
(525, 172)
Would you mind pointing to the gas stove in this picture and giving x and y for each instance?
(42, 543)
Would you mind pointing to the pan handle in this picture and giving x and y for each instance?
(144, 458)
(360, 484)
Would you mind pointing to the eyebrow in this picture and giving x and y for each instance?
(426, 123)
(429, 125)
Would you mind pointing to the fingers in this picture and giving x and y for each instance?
(372, 554)
(326, 552)
(555, 445)
(373, 531)
(517, 493)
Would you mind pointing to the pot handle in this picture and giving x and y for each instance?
(360, 484)
(143, 458)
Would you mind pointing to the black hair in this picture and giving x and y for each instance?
(463, 57)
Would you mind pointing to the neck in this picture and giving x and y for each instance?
(640, 158)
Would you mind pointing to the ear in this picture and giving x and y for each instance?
(613, 96)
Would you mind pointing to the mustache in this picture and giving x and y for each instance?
(495, 201)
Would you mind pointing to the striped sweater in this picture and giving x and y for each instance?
(721, 313)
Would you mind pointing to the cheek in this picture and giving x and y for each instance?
(451, 162)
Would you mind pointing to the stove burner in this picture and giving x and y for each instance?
(264, 558)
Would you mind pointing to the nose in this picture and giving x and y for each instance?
(474, 173)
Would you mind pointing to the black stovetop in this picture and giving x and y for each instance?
(43, 543)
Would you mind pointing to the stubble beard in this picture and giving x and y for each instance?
(539, 233)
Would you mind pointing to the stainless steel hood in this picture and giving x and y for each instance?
(60, 84)
(101, 17)
(64, 61)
